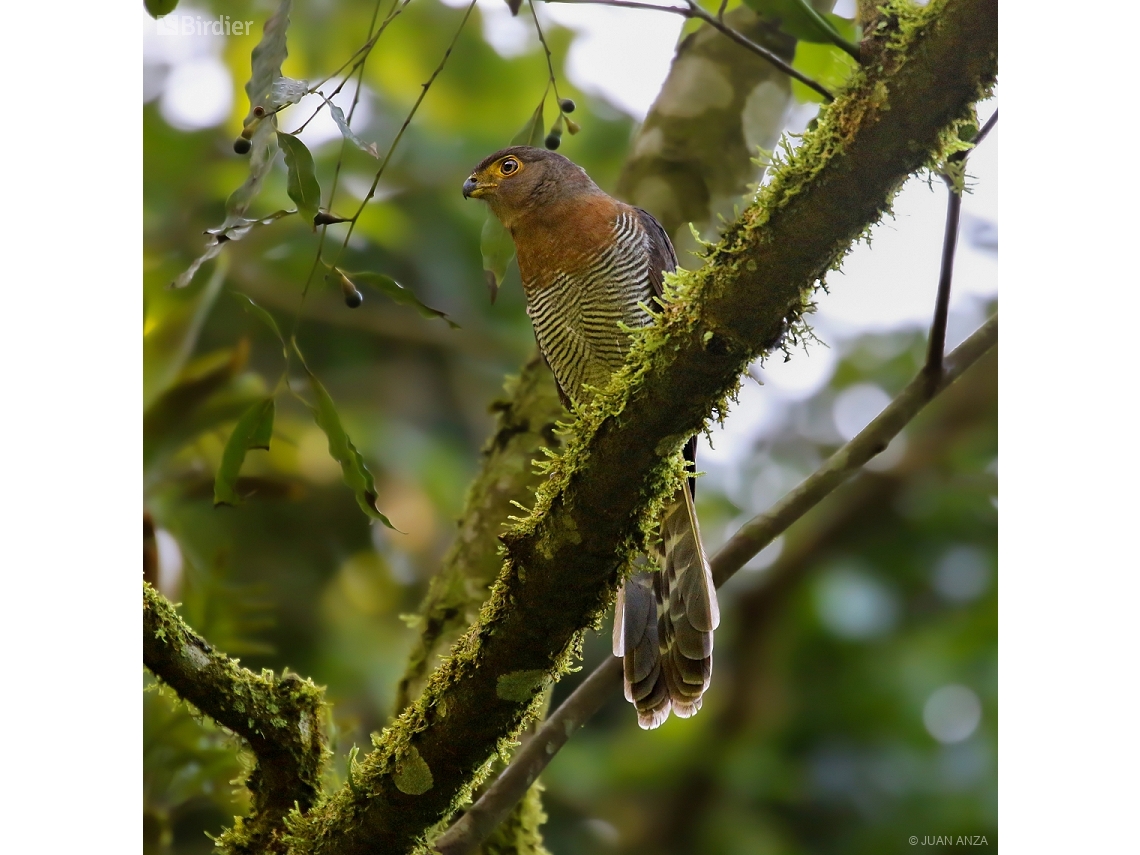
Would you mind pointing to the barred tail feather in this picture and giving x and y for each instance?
(635, 639)
(664, 622)
(687, 607)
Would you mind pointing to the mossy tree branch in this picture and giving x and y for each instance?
(525, 423)
(926, 68)
(279, 717)
(696, 150)
(601, 685)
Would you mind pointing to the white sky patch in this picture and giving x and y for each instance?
(748, 419)
(187, 72)
(197, 94)
(510, 35)
(892, 283)
(803, 375)
(623, 55)
(856, 406)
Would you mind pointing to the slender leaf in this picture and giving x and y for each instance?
(356, 474)
(396, 292)
(263, 315)
(266, 62)
(267, 57)
(349, 134)
(302, 183)
(534, 131)
(253, 430)
(243, 226)
(798, 18)
(170, 333)
(498, 249)
(212, 390)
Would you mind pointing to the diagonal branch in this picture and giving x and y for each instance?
(927, 66)
(280, 718)
(529, 761)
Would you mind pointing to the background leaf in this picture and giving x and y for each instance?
(253, 430)
(262, 315)
(498, 249)
(302, 183)
(825, 64)
(266, 62)
(356, 474)
(797, 18)
(396, 292)
(267, 57)
(348, 133)
(534, 131)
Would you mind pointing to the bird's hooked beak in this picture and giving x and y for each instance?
(472, 189)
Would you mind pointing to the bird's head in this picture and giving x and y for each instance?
(519, 180)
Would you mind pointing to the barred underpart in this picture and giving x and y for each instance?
(576, 314)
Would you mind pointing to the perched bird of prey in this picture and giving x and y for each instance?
(590, 264)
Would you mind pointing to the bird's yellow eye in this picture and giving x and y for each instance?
(509, 166)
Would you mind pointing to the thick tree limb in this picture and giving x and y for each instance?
(926, 68)
(526, 422)
(280, 718)
(529, 761)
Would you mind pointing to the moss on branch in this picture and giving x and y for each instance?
(925, 69)
(526, 420)
(280, 718)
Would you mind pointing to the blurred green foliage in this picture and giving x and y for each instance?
(812, 738)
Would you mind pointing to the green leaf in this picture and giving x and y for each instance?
(253, 430)
(498, 249)
(302, 184)
(348, 133)
(158, 8)
(396, 292)
(534, 131)
(823, 63)
(170, 332)
(799, 19)
(267, 57)
(266, 61)
(263, 315)
(356, 474)
(211, 391)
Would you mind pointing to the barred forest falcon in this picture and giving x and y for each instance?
(590, 264)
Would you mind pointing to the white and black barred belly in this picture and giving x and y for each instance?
(577, 315)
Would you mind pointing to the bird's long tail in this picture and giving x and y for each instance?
(664, 622)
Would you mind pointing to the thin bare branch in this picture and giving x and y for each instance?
(936, 346)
